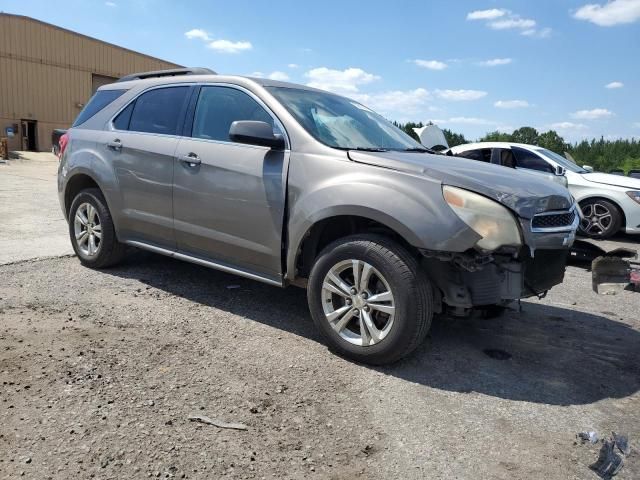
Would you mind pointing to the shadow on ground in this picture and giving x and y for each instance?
(557, 356)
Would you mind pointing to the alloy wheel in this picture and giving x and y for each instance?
(597, 219)
(88, 229)
(358, 302)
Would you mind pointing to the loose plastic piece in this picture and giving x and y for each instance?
(609, 462)
(622, 442)
(591, 437)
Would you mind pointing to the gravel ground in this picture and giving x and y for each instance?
(100, 371)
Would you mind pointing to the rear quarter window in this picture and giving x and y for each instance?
(100, 99)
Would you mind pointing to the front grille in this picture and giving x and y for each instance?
(553, 220)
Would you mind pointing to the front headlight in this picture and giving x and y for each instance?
(635, 196)
(487, 218)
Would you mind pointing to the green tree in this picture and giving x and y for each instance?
(552, 141)
(496, 136)
(528, 135)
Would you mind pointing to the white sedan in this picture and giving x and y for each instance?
(609, 203)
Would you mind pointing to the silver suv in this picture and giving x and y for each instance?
(290, 185)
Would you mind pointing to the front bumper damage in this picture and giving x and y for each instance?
(476, 279)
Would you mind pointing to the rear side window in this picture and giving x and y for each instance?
(100, 99)
(482, 155)
(526, 159)
(219, 107)
(156, 111)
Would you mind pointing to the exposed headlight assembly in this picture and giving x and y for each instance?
(635, 196)
(487, 218)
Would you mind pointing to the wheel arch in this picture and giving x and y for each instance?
(339, 223)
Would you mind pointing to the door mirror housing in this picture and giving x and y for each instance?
(588, 168)
(254, 132)
(560, 170)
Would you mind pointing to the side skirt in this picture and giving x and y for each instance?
(205, 263)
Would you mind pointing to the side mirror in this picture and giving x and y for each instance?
(254, 132)
(588, 168)
(560, 170)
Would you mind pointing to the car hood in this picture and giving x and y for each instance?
(522, 193)
(615, 180)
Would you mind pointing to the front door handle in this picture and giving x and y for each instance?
(191, 160)
(115, 145)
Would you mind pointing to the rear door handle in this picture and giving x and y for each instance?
(115, 145)
(191, 160)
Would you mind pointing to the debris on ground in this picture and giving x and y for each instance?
(622, 442)
(217, 423)
(591, 437)
(232, 287)
(609, 463)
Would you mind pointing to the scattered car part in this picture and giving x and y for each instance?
(609, 463)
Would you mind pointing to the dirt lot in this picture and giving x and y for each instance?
(100, 371)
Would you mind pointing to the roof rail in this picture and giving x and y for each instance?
(174, 72)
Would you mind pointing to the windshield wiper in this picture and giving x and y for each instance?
(419, 149)
(369, 149)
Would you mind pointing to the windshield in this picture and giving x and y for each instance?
(342, 123)
(572, 167)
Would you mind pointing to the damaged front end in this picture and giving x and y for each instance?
(515, 258)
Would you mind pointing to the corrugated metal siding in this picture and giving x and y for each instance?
(46, 71)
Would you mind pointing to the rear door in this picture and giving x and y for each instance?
(142, 147)
(229, 197)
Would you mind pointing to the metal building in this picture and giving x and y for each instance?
(48, 73)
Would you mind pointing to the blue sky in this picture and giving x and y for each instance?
(472, 66)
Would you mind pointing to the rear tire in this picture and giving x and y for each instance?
(602, 218)
(91, 230)
(370, 299)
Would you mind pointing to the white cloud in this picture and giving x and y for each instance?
(227, 46)
(198, 33)
(339, 81)
(494, 62)
(614, 85)
(293, 65)
(543, 33)
(460, 95)
(593, 114)
(567, 126)
(487, 14)
(502, 19)
(281, 76)
(431, 64)
(398, 104)
(111, 4)
(612, 13)
(511, 104)
(512, 22)
(277, 75)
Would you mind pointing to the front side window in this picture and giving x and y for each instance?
(342, 123)
(155, 111)
(219, 107)
(482, 155)
(526, 159)
(100, 99)
(572, 167)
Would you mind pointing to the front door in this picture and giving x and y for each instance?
(228, 198)
(141, 149)
(29, 135)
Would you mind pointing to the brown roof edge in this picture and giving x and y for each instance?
(5, 14)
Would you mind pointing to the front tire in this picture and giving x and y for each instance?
(370, 299)
(602, 219)
(91, 230)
